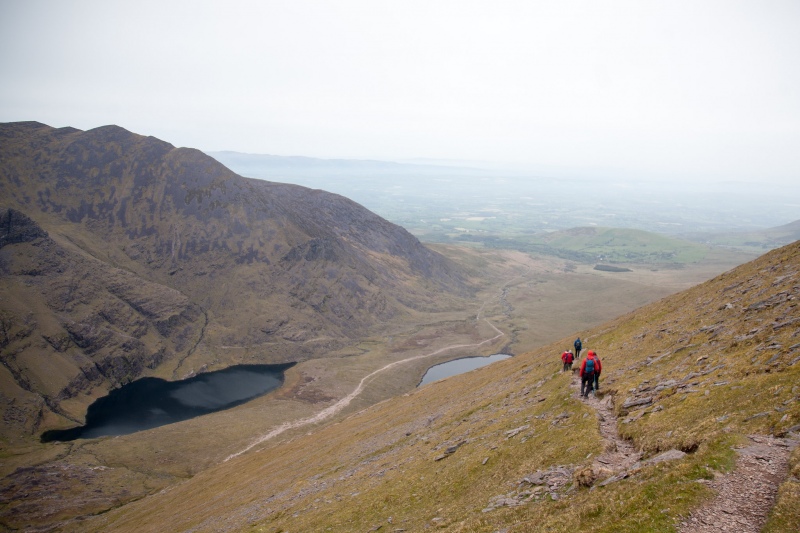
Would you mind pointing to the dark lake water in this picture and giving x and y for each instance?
(459, 366)
(151, 402)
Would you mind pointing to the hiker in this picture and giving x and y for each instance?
(598, 367)
(578, 346)
(567, 358)
(588, 369)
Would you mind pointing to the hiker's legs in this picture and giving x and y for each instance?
(586, 385)
(596, 381)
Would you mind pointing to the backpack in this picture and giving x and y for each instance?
(589, 368)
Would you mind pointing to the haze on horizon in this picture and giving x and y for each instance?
(685, 90)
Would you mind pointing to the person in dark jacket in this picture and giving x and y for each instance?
(567, 359)
(577, 345)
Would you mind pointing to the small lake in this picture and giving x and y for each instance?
(152, 402)
(459, 366)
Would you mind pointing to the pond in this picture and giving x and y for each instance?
(459, 366)
(151, 402)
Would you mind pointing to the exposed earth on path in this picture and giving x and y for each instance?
(745, 496)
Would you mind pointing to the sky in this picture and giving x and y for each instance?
(685, 90)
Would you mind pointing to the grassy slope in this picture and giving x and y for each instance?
(729, 344)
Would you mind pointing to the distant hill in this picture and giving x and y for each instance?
(766, 239)
(134, 257)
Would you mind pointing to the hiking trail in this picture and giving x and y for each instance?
(618, 454)
(744, 496)
(344, 402)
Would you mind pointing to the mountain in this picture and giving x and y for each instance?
(126, 257)
(699, 394)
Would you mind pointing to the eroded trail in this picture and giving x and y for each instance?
(746, 495)
(618, 454)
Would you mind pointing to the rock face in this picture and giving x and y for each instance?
(124, 256)
(70, 323)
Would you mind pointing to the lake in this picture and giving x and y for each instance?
(152, 402)
(459, 366)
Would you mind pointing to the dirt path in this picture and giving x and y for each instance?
(618, 455)
(344, 402)
(746, 495)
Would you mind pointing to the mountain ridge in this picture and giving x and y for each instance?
(273, 272)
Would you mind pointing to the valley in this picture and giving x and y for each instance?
(530, 301)
(124, 257)
(509, 446)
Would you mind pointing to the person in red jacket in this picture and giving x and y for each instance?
(590, 372)
(567, 358)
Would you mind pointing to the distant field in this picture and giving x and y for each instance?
(497, 209)
(608, 245)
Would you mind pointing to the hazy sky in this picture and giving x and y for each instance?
(690, 89)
